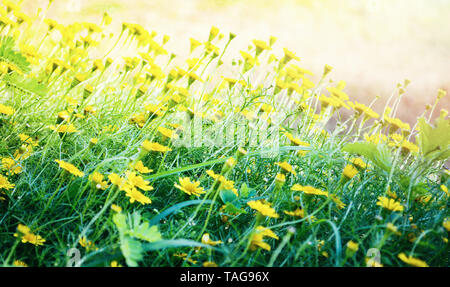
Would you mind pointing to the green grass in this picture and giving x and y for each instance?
(63, 208)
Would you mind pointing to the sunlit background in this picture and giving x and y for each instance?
(372, 45)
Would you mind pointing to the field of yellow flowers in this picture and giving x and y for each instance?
(138, 161)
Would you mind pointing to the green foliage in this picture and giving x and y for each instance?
(132, 250)
(132, 229)
(379, 154)
(434, 141)
(228, 196)
(25, 85)
(9, 55)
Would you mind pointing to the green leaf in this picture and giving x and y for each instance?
(232, 209)
(379, 154)
(382, 157)
(25, 85)
(434, 141)
(141, 229)
(362, 148)
(244, 191)
(146, 232)
(120, 220)
(131, 250)
(12, 57)
(227, 195)
(132, 229)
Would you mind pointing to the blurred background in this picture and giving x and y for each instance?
(371, 44)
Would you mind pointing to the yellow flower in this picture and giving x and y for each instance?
(70, 168)
(116, 179)
(263, 208)
(260, 46)
(6, 110)
(445, 189)
(359, 163)
(207, 240)
(332, 101)
(11, 166)
(154, 109)
(93, 141)
(257, 239)
(296, 213)
(396, 124)
(139, 166)
(90, 110)
(151, 146)
(184, 256)
(372, 263)
(392, 228)
(391, 194)
(116, 208)
(28, 237)
(97, 178)
(308, 190)
(194, 44)
(28, 140)
(390, 204)
(224, 183)
(209, 264)
(446, 224)
(89, 245)
(168, 133)
(115, 264)
(349, 171)
(286, 167)
(230, 162)
(363, 109)
(64, 128)
(137, 181)
(337, 201)
(280, 178)
(288, 55)
(19, 263)
(191, 188)
(376, 139)
(23, 152)
(412, 261)
(213, 33)
(327, 69)
(136, 195)
(353, 246)
(139, 118)
(295, 141)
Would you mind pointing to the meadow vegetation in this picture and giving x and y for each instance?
(137, 161)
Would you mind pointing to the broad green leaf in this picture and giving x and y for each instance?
(244, 191)
(146, 232)
(383, 157)
(25, 84)
(379, 154)
(231, 208)
(120, 220)
(131, 250)
(227, 195)
(434, 141)
(141, 229)
(9, 54)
